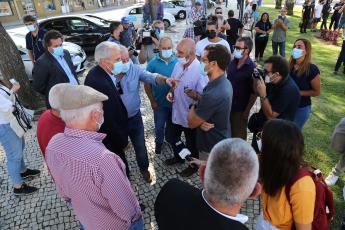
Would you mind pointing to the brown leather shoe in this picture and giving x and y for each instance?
(173, 161)
(188, 171)
(147, 176)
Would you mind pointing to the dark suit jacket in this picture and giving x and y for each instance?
(181, 206)
(115, 114)
(47, 72)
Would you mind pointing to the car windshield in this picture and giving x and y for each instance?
(96, 20)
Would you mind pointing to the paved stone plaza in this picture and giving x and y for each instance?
(45, 210)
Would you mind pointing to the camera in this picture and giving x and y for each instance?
(257, 73)
(146, 34)
(135, 53)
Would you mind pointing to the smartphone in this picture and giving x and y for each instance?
(280, 17)
(13, 81)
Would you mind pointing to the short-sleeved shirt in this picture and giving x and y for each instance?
(35, 43)
(277, 209)
(191, 78)
(307, 10)
(242, 82)
(201, 45)
(160, 66)
(279, 34)
(127, 36)
(264, 26)
(284, 98)
(214, 107)
(232, 34)
(325, 10)
(304, 82)
(318, 10)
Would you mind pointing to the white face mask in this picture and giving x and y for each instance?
(183, 60)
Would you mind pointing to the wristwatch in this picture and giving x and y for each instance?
(262, 98)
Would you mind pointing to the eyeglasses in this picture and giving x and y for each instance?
(119, 88)
(240, 48)
(219, 13)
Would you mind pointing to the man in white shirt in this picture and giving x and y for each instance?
(211, 38)
(317, 15)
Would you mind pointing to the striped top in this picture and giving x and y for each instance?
(93, 179)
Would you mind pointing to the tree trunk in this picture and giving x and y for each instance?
(12, 66)
(289, 5)
(278, 4)
(153, 9)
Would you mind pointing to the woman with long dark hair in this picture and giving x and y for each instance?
(307, 77)
(282, 156)
(262, 29)
(12, 143)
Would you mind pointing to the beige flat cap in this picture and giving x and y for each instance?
(65, 96)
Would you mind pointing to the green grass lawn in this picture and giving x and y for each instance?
(328, 108)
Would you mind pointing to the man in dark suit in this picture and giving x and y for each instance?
(101, 78)
(229, 178)
(54, 66)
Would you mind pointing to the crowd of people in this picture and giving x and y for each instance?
(204, 88)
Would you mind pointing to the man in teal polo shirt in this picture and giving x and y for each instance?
(162, 64)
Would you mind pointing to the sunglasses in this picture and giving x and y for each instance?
(119, 88)
(219, 13)
(240, 48)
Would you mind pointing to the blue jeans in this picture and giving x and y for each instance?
(281, 46)
(302, 115)
(136, 134)
(13, 146)
(162, 119)
(137, 225)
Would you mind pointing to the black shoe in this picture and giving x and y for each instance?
(335, 72)
(173, 161)
(142, 207)
(188, 171)
(158, 149)
(30, 173)
(24, 190)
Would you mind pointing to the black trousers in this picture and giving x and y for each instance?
(260, 46)
(324, 23)
(304, 25)
(177, 144)
(335, 22)
(341, 59)
(111, 145)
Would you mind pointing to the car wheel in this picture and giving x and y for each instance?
(166, 23)
(181, 14)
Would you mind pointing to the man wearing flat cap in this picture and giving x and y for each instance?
(85, 172)
(101, 78)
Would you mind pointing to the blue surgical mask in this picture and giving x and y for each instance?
(183, 60)
(161, 34)
(58, 51)
(117, 68)
(238, 54)
(31, 28)
(296, 53)
(202, 68)
(125, 67)
(167, 53)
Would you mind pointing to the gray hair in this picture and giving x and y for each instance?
(165, 38)
(123, 49)
(231, 172)
(80, 115)
(103, 50)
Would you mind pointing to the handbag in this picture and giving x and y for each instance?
(20, 118)
(256, 122)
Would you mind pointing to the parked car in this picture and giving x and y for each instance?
(178, 11)
(135, 14)
(82, 30)
(77, 53)
(177, 2)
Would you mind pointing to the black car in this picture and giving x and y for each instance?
(177, 2)
(82, 30)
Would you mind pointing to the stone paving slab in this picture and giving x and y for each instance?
(46, 210)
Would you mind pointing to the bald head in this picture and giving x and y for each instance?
(186, 48)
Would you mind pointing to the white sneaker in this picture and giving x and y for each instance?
(331, 179)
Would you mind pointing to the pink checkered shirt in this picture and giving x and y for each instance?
(93, 179)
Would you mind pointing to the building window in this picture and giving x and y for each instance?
(28, 7)
(5, 9)
(49, 5)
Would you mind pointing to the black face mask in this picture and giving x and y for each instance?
(211, 34)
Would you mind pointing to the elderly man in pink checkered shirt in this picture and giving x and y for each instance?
(86, 174)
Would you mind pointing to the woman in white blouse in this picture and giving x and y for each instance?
(12, 143)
